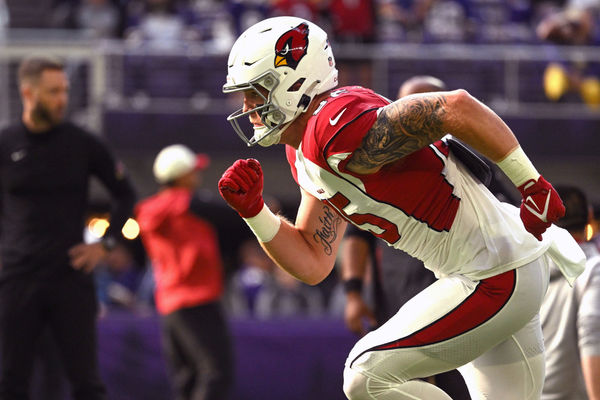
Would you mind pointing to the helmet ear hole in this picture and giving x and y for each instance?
(296, 85)
(304, 101)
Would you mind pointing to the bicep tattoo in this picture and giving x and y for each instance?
(401, 128)
(327, 233)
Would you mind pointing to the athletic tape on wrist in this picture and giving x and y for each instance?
(353, 285)
(265, 224)
(517, 166)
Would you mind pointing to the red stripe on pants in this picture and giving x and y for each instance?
(489, 298)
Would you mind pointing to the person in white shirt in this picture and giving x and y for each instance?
(571, 316)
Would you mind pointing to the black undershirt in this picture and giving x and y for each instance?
(44, 185)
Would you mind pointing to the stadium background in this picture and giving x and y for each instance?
(142, 93)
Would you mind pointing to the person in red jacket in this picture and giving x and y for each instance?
(183, 247)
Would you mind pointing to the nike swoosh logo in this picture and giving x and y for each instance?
(336, 119)
(542, 215)
(18, 155)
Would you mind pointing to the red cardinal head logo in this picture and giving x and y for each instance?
(291, 46)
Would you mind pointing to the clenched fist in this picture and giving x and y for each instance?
(541, 206)
(241, 186)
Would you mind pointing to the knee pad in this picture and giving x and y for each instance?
(355, 385)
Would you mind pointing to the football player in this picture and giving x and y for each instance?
(383, 166)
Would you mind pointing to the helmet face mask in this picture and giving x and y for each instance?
(270, 114)
(288, 57)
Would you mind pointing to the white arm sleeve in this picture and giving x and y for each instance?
(588, 321)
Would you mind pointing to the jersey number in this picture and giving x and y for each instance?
(389, 230)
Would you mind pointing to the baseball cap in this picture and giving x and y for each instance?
(577, 209)
(177, 160)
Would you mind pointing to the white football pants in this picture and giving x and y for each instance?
(488, 329)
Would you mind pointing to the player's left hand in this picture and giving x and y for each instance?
(85, 257)
(359, 318)
(541, 206)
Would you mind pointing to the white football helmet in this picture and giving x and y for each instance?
(292, 59)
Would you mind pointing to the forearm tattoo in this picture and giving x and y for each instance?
(328, 233)
(401, 128)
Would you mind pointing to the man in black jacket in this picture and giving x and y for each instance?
(45, 281)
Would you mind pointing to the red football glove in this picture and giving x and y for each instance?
(242, 185)
(541, 206)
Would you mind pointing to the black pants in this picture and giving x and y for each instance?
(48, 381)
(66, 306)
(198, 348)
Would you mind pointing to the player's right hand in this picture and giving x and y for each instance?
(357, 315)
(241, 186)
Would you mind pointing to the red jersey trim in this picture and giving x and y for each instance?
(432, 202)
(343, 163)
(488, 299)
(442, 225)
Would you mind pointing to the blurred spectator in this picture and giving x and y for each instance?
(401, 20)
(160, 24)
(214, 23)
(48, 380)
(145, 303)
(4, 19)
(352, 21)
(261, 289)
(118, 279)
(570, 316)
(447, 21)
(307, 9)
(246, 13)
(576, 24)
(248, 281)
(420, 84)
(96, 18)
(481, 21)
(572, 25)
(188, 270)
(284, 296)
(100, 17)
(501, 21)
(594, 228)
(45, 278)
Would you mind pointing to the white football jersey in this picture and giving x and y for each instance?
(427, 203)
